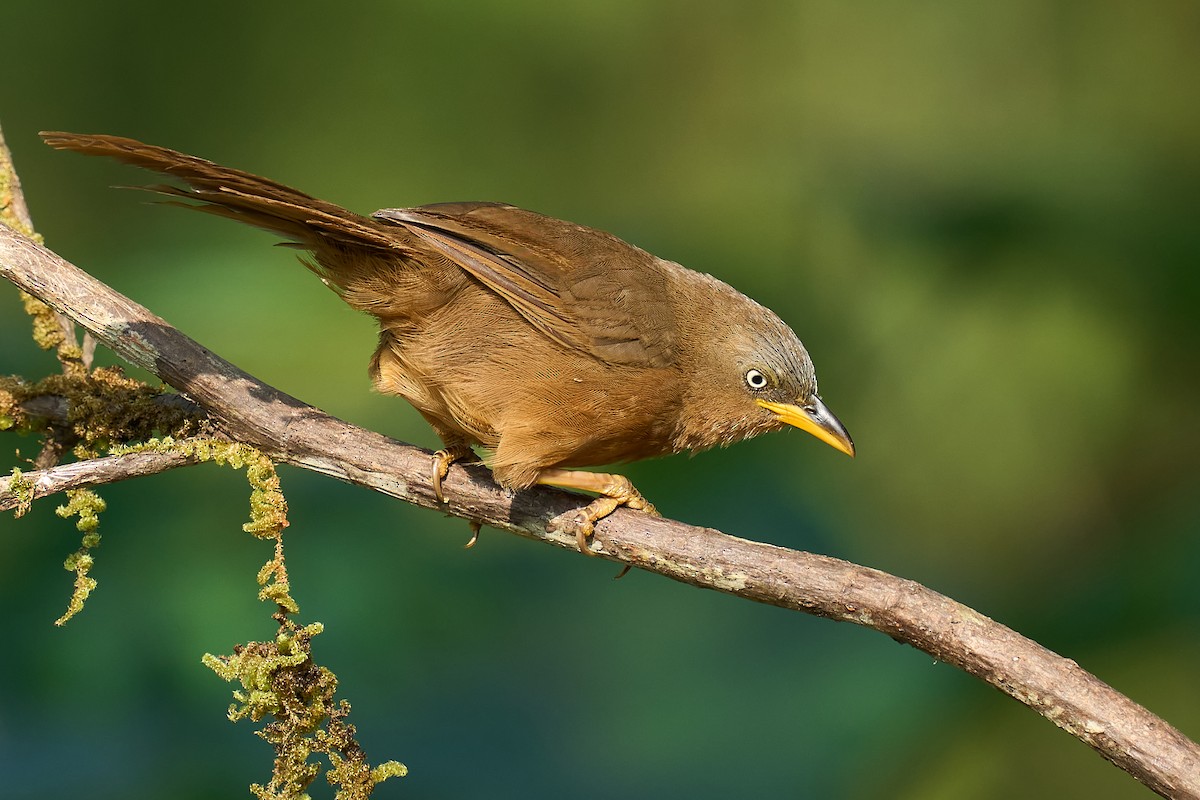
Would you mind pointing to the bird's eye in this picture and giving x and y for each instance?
(755, 379)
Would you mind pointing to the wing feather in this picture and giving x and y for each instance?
(581, 287)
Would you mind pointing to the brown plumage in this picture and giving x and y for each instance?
(551, 345)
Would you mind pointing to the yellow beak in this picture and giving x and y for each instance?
(813, 417)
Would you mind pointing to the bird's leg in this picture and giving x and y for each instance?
(455, 450)
(614, 491)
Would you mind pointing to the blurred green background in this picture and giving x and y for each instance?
(980, 217)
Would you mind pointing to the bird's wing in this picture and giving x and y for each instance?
(583, 288)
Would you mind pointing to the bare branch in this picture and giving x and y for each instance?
(290, 431)
(92, 472)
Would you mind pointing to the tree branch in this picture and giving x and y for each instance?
(248, 410)
(91, 472)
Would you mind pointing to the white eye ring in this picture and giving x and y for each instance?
(756, 380)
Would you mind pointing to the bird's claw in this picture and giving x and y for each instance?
(585, 526)
(442, 460)
(475, 526)
(583, 522)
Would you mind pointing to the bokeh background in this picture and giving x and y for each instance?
(980, 217)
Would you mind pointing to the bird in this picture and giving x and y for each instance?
(546, 345)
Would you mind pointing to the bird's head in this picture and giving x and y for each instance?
(753, 376)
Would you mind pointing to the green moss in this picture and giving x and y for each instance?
(48, 334)
(87, 505)
(281, 682)
(8, 188)
(21, 488)
(11, 395)
(104, 408)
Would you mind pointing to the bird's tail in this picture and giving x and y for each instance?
(303, 220)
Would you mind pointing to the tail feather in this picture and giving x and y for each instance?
(242, 196)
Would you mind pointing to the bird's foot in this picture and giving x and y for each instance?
(442, 460)
(615, 491)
